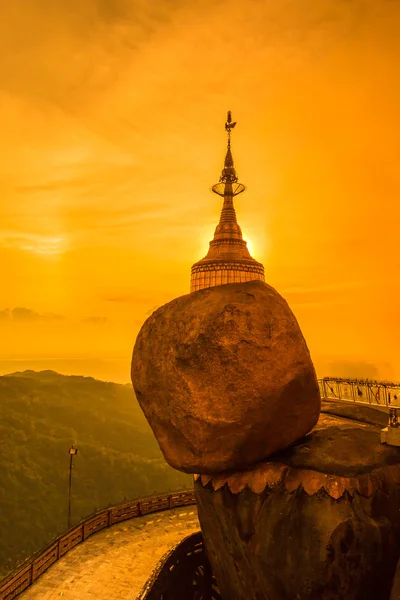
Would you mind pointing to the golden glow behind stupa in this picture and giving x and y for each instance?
(228, 259)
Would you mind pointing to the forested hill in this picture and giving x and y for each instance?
(41, 415)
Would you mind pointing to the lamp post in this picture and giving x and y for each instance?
(72, 452)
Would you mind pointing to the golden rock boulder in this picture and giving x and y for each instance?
(224, 377)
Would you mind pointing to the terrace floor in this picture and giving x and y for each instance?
(115, 563)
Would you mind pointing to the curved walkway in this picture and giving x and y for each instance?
(115, 563)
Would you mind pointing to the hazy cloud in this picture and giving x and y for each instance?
(135, 298)
(96, 320)
(36, 243)
(26, 314)
(358, 369)
(122, 298)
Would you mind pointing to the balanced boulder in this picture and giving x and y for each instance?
(224, 377)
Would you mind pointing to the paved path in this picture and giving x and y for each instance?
(115, 563)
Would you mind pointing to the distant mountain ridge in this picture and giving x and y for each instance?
(42, 374)
(48, 374)
(38, 374)
(41, 415)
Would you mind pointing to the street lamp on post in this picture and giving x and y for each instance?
(72, 452)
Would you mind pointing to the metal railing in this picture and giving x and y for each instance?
(360, 391)
(23, 577)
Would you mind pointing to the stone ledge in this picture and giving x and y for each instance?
(272, 475)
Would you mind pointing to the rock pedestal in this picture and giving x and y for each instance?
(224, 377)
(318, 521)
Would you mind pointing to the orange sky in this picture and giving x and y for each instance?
(111, 121)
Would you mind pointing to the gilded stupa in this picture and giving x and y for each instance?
(228, 259)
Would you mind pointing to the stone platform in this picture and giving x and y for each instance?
(115, 563)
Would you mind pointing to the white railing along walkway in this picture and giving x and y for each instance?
(361, 391)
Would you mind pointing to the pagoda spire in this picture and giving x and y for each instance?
(229, 174)
(228, 259)
(228, 182)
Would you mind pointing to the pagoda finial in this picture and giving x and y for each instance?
(228, 175)
(229, 126)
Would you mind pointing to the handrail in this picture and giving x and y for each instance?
(374, 382)
(360, 391)
(23, 577)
